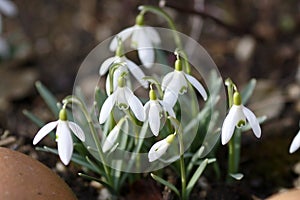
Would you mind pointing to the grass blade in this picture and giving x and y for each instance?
(166, 183)
(48, 97)
(196, 177)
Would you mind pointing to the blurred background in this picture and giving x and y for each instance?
(47, 41)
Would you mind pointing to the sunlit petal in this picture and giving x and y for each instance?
(153, 35)
(146, 109)
(166, 80)
(44, 131)
(170, 98)
(111, 139)
(77, 131)
(137, 73)
(135, 105)
(123, 35)
(168, 108)
(179, 83)
(231, 120)
(295, 143)
(157, 150)
(145, 50)
(107, 107)
(154, 117)
(197, 85)
(64, 142)
(252, 121)
(106, 64)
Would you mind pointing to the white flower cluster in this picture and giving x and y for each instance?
(143, 39)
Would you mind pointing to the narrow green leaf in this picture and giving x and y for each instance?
(48, 97)
(100, 97)
(98, 180)
(166, 183)
(33, 118)
(248, 90)
(196, 177)
(75, 158)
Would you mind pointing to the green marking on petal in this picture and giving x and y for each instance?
(123, 106)
(241, 123)
(63, 115)
(183, 90)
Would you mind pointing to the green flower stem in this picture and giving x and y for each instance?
(73, 99)
(235, 142)
(182, 164)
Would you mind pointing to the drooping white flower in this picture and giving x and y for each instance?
(153, 109)
(238, 114)
(121, 69)
(160, 148)
(112, 136)
(124, 98)
(295, 143)
(63, 135)
(8, 8)
(143, 39)
(176, 82)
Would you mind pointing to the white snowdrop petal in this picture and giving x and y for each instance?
(229, 124)
(252, 121)
(135, 105)
(44, 131)
(123, 35)
(154, 118)
(168, 108)
(146, 109)
(179, 83)
(137, 73)
(170, 98)
(106, 64)
(295, 143)
(197, 85)
(145, 50)
(157, 150)
(166, 80)
(8, 8)
(64, 142)
(137, 35)
(111, 139)
(107, 107)
(77, 130)
(153, 35)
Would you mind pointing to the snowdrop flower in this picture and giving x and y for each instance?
(142, 38)
(63, 135)
(176, 82)
(8, 8)
(237, 117)
(153, 109)
(124, 98)
(160, 148)
(295, 143)
(112, 136)
(121, 69)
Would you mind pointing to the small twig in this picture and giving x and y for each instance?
(235, 29)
